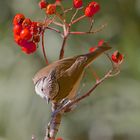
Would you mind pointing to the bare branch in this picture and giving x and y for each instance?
(94, 73)
(62, 48)
(74, 15)
(90, 32)
(67, 10)
(91, 24)
(43, 49)
(57, 23)
(61, 18)
(77, 100)
(78, 19)
(54, 29)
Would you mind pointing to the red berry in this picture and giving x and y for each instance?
(18, 19)
(89, 12)
(95, 6)
(29, 48)
(51, 9)
(17, 38)
(42, 4)
(25, 34)
(58, 0)
(35, 29)
(19, 41)
(117, 57)
(77, 3)
(17, 29)
(92, 49)
(101, 42)
(92, 9)
(26, 23)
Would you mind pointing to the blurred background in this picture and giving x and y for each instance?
(112, 113)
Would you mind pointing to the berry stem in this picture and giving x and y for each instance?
(74, 15)
(58, 24)
(69, 9)
(78, 19)
(43, 48)
(61, 18)
(54, 29)
(63, 46)
(91, 24)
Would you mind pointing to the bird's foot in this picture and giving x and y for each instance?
(65, 102)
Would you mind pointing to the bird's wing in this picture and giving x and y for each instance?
(70, 80)
(61, 66)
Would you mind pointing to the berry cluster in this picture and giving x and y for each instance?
(50, 9)
(90, 10)
(116, 57)
(26, 33)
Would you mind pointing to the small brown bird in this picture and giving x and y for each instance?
(60, 80)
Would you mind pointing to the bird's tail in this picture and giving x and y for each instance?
(97, 52)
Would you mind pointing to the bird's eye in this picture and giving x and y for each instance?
(42, 89)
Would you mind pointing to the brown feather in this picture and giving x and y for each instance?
(69, 72)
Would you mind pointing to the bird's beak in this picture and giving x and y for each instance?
(47, 99)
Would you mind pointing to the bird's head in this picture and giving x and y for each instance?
(47, 87)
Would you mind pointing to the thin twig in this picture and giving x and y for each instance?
(60, 18)
(67, 10)
(78, 19)
(74, 15)
(91, 24)
(43, 49)
(94, 73)
(91, 32)
(54, 29)
(109, 74)
(57, 23)
(110, 59)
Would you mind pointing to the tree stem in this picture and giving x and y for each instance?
(43, 49)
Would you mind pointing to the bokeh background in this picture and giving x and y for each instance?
(112, 113)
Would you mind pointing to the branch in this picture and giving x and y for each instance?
(57, 23)
(61, 18)
(43, 49)
(62, 48)
(90, 32)
(75, 101)
(54, 29)
(91, 24)
(67, 10)
(78, 19)
(94, 73)
(74, 15)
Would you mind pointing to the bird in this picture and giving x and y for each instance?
(61, 79)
